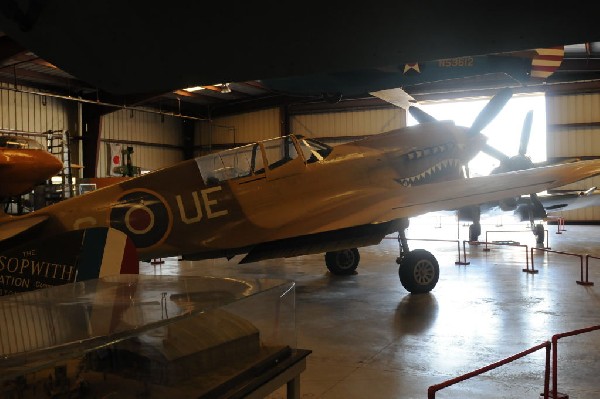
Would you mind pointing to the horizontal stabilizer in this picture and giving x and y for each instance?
(14, 226)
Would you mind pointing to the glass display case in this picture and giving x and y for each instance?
(135, 336)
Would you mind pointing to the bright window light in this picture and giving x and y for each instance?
(503, 132)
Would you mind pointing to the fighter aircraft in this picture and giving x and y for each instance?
(292, 196)
(24, 163)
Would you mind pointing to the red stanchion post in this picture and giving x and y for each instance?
(555, 393)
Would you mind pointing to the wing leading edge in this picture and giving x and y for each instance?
(382, 204)
(477, 190)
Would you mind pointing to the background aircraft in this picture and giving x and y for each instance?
(291, 196)
(523, 67)
(24, 163)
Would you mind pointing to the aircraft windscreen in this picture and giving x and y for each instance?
(313, 150)
(280, 151)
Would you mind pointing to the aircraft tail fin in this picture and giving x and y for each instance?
(546, 61)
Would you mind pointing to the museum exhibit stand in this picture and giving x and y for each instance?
(138, 336)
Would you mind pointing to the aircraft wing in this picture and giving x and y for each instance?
(570, 201)
(458, 193)
(379, 205)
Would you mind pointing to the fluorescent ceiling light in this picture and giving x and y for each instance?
(193, 89)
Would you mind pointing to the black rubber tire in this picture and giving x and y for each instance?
(540, 234)
(474, 232)
(419, 271)
(342, 263)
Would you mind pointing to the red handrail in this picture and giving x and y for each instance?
(517, 231)
(580, 282)
(527, 270)
(555, 354)
(434, 388)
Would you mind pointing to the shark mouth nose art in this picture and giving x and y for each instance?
(438, 149)
(448, 167)
(445, 167)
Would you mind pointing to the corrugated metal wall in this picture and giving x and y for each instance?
(237, 130)
(156, 139)
(332, 128)
(339, 127)
(33, 113)
(573, 130)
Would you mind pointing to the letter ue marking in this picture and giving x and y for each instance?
(210, 213)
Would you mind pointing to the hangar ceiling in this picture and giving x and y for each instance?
(132, 54)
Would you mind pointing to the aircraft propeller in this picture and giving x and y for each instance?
(420, 115)
(487, 114)
(521, 160)
(490, 111)
(485, 117)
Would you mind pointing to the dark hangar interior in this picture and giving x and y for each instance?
(167, 82)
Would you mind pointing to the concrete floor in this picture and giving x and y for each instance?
(371, 339)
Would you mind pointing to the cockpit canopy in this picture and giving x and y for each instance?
(251, 159)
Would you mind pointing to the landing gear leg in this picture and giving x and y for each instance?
(538, 231)
(419, 271)
(475, 228)
(474, 231)
(537, 210)
(402, 244)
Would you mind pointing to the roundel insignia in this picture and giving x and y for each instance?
(143, 216)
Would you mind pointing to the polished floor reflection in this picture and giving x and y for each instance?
(371, 339)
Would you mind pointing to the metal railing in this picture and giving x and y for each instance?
(581, 281)
(518, 231)
(506, 244)
(555, 339)
(434, 388)
(551, 365)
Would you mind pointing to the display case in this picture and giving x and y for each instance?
(135, 336)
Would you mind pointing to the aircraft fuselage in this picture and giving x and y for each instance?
(179, 210)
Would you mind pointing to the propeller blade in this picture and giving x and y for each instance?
(420, 115)
(489, 112)
(491, 151)
(525, 133)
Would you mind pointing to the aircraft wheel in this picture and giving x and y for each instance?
(474, 232)
(419, 271)
(539, 233)
(342, 263)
